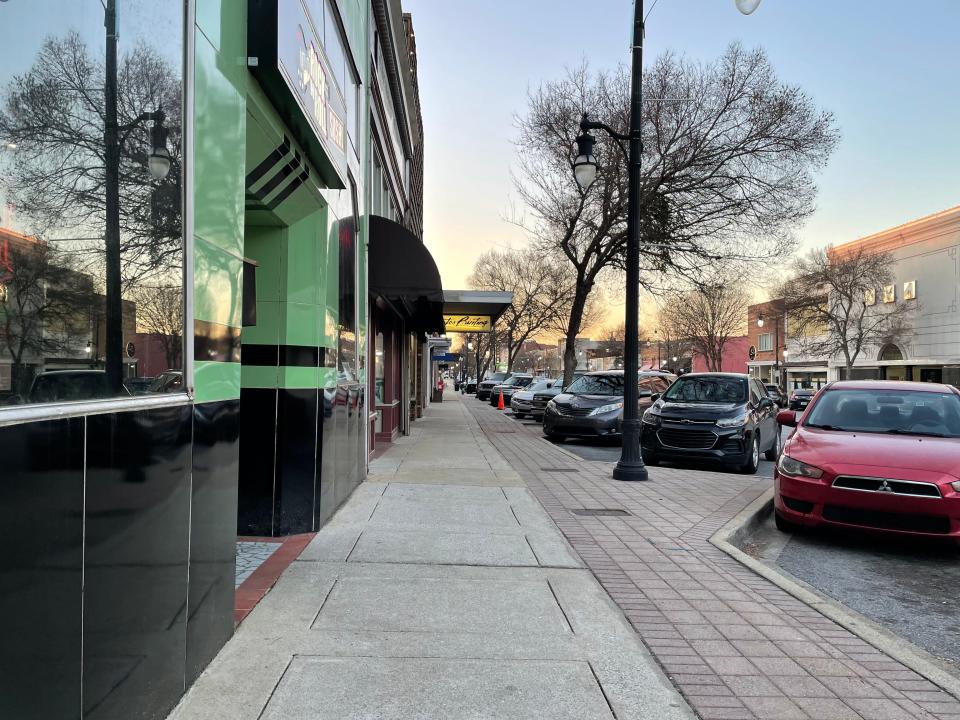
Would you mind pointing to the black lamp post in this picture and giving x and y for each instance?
(158, 162)
(630, 466)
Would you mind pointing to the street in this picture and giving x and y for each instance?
(603, 450)
(907, 585)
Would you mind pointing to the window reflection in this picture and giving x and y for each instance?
(91, 156)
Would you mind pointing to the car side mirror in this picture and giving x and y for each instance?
(766, 402)
(654, 397)
(787, 417)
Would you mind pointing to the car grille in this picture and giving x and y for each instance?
(572, 411)
(881, 485)
(935, 524)
(540, 401)
(687, 439)
(685, 421)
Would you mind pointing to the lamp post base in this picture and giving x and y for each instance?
(630, 471)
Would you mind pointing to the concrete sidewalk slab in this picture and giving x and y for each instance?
(458, 600)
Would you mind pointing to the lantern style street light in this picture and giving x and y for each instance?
(630, 466)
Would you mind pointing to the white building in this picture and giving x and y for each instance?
(926, 271)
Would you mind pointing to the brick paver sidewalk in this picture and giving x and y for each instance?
(735, 645)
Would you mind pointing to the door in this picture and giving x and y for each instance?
(765, 413)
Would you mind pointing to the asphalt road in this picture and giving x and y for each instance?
(907, 585)
(609, 451)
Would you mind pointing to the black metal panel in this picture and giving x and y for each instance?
(327, 456)
(41, 532)
(213, 525)
(136, 549)
(296, 461)
(258, 427)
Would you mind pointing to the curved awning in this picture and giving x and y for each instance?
(402, 271)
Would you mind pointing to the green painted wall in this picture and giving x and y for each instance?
(219, 127)
(296, 245)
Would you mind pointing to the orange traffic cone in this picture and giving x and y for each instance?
(500, 401)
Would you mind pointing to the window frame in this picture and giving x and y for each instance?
(765, 346)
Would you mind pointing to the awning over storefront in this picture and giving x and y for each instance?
(402, 271)
(473, 310)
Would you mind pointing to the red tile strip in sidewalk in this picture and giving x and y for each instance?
(735, 645)
(252, 590)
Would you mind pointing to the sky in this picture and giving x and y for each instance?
(887, 69)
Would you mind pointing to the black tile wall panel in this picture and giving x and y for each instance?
(327, 456)
(258, 418)
(41, 532)
(135, 565)
(296, 461)
(213, 531)
(342, 484)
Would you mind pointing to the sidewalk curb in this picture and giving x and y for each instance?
(900, 649)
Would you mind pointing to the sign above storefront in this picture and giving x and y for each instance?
(466, 323)
(287, 57)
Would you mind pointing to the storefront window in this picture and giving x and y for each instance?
(379, 375)
(347, 323)
(91, 159)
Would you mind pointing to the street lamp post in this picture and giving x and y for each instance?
(630, 466)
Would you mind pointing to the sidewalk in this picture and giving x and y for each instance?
(736, 646)
(440, 590)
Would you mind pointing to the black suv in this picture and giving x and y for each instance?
(484, 388)
(726, 417)
(516, 382)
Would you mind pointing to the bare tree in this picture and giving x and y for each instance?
(541, 290)
(835, 304)
(707, 316)
(54, 114)
(160, 313)
(729, 153)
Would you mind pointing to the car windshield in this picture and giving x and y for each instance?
(597, 385)
(496, 377)
(896, 412)
(539, 385)
(520, 381)
(707, 390)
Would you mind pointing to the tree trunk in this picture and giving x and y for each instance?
(573, 329)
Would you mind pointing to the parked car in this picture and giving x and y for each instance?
(71, 385)
(776, 394)
(469, 386)
(875, 455)
(801, 397)
(724, 417)
(138, 385)
(521, 402)
(485, 386)
(542, 397)
(512, 384)
(592, 406)
(168, 382)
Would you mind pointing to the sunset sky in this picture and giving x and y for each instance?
(887, 69)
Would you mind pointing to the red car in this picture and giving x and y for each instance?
(876, 455)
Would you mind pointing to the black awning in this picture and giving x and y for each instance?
(402, 271)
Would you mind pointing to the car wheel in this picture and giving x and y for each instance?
(784, 525)
(553, 437)
(753, 462)
(650, 459)
(774, 452)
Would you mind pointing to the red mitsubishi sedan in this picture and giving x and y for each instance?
(876, 455)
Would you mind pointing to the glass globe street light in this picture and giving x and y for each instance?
(747, 6)
(585, 164)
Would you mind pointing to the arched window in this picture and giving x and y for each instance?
(891, 352)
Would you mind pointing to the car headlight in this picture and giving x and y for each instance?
(738, 421)
(955, 485)
(652, 415)
(551, 405)
(607, 408)
(789, 466)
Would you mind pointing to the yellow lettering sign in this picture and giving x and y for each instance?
(466, 323)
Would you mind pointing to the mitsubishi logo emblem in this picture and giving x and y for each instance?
(885, 487)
